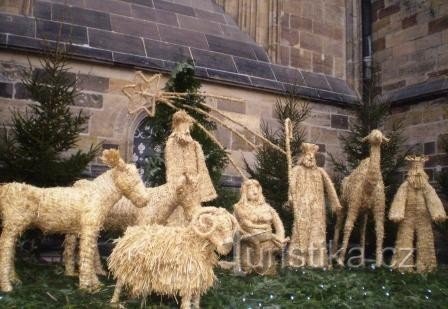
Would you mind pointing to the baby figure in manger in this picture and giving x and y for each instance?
(262, 230)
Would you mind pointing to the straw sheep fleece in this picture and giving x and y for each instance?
(68, 210)
(173, 260)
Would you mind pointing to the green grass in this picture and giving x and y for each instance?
(44, 286)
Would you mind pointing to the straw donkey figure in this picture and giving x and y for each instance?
(73, 210)
(415, 205)
(162, 201)
(363, 190)
(173, 260)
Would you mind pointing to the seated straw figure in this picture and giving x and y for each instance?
(262, 230)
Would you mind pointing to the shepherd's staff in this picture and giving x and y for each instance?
(288, 137)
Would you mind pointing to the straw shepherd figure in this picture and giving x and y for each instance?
(262, 230)
(415, 205)
(162, 201)
(308, 186)
(363, 191)
(70, 210)
(173, 260)
(184, 155)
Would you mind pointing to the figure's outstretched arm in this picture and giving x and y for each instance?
(331, 191)
(434, 204)
(396, 212)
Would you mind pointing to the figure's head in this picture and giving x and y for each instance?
(181, 125)
(126, 177)
(416, 175)
(251, 193)
(375, 137)
(216, 225)
(308, 156)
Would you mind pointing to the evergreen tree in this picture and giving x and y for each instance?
(158, 128)
(39, 148)
(270, 167)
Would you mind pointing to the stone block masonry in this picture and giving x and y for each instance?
(109, 122)
(410, 42)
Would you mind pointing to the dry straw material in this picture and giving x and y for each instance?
(415, 205)
(184, 155)
(308, 185)
(162, 201)
(171, 260)
(363, 191)
(70, 210)
(262, 230)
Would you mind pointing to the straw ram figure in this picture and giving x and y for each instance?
(308, 186)
(415, 205)
(162, 201)
(173, 260)
(363, 191)
(69, 210)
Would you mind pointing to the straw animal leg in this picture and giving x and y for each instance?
(363, 238)
(186, 302)
(7, 246)
(426, 254)
(87, 277)
(337, 231)
(69, 255)
(99, 269)
(378, 214)
(117, 291)
(196, 300)
(352, 215)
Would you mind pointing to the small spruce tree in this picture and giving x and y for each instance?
(270, 167)
(158, 128)
(40, 146)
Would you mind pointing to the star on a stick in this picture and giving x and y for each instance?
(143, 93)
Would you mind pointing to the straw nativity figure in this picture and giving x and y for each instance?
(68, 210)
(184, 155)
(308, 186)
(363, 192)
(414, 207)
(262, 230)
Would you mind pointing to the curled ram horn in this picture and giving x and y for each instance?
(203, 220)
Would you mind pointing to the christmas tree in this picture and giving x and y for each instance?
(39, 148)
(270, 167)
(158, 129)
